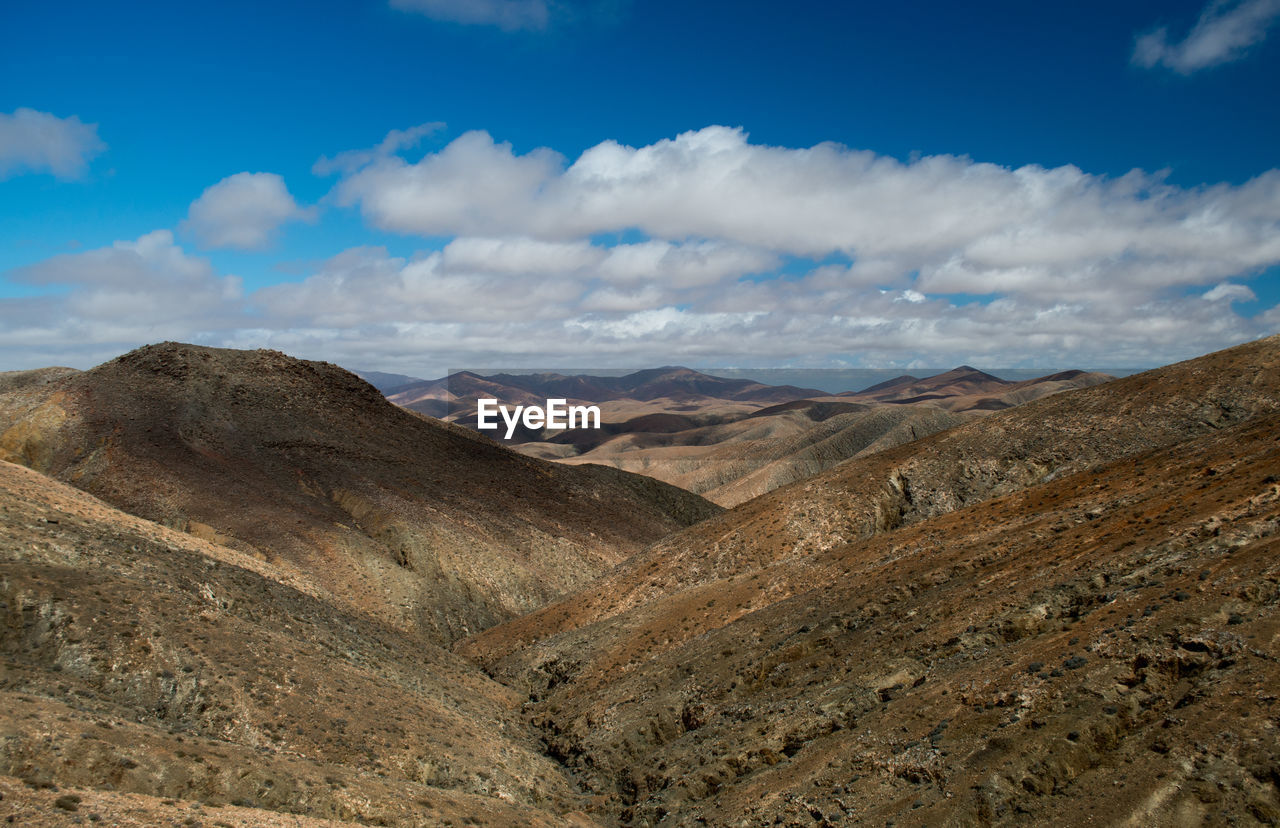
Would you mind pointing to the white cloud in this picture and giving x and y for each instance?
(115, 298)
(508, 15)
(243, 211)
(688, 265)
(1224, 33)
(1077, 270)
(471, 187)
(519, 255)
(37, 141)
(961, 225)
(1229, 292)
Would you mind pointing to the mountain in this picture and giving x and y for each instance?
(241, 601)
(424, 525)
(735, 454)
(999, 623)
(665, 385)
(966, 389)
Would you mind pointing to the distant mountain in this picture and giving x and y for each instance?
(674, 384)
(734, 461)
(730, 451)
(968, 389)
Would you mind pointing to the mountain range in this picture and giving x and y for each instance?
(730, 439)
(242, 588)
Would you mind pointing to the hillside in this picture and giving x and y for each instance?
(989, 625)
(424, 525)
(733, 462)
(247, 599)
(152, 678)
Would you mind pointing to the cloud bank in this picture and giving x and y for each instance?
(32, 141)
(1224, 33)
(707, 249)
(950, 224)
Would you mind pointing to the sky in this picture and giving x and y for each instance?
(414, 185)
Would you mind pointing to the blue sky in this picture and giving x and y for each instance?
(635, 183)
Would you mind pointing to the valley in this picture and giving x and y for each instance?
(247, 589)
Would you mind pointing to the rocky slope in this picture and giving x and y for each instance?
(1064, 612)
(424, 525)
(1005, 623)
(149, 677)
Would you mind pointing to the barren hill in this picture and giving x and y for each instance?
(998, 623)
(303, 464)
(733, 462)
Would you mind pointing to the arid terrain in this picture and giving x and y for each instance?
(240, 588)
(302, 464)
(730, 440)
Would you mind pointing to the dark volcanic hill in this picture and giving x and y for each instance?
(1007, 622)
(306, 466)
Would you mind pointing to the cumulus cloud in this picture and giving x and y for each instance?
(1224, 33)
(508, 15)
(960, 226)
(519, 256)
(243, 211)
(473, 186)
(38, 142)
